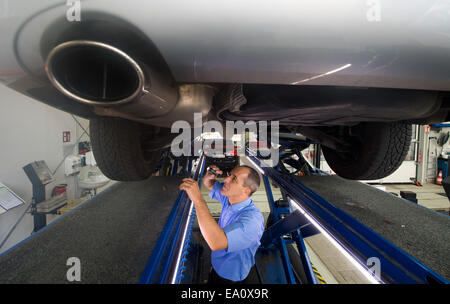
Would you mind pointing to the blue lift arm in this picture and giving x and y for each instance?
(358, 241)
(165, 265)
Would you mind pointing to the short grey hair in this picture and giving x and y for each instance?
(252, 180)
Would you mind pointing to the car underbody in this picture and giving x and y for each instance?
(133, 83)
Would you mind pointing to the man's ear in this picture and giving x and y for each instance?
(248, 191)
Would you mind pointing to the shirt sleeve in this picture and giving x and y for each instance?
(215, 192)
(244, 232)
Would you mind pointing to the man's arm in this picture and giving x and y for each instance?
(209, 179)
(214, 236)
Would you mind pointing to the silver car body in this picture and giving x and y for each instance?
(385, 43)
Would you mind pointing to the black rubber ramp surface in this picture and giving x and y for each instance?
(420, 232)
(112, 235)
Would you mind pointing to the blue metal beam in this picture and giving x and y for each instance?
(276, 233)
(175, 167)
(163, 265)
(304, 257)
(284, 226)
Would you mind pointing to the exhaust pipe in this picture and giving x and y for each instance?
(95, 73)
(117, 85)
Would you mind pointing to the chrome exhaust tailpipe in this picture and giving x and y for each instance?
(94, 73)
(110, 80)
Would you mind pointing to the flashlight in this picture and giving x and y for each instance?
(212, 171)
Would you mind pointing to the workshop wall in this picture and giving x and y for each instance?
(29, 131)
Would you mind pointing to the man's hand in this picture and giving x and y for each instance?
(209, 178)
(214, 236)
(191, 187)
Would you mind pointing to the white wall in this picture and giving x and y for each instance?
(29, 131)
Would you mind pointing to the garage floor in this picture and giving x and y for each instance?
(429, 195)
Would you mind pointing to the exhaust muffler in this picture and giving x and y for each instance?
(117, 84)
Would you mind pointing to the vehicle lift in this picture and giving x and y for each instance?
(174, 256)
(300, 214)
(308, 213)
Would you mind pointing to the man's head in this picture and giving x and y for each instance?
(241, 184)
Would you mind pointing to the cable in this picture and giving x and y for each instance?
(80, 125)
(14, 226)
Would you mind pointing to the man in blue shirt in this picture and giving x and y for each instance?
(235, 239)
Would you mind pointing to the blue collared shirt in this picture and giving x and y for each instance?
(243, 225)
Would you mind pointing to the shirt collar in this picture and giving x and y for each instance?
(239, 206)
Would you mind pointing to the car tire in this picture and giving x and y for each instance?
(380, 150)
(117, 147)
